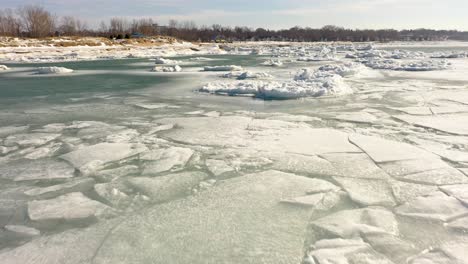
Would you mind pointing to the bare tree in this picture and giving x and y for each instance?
(10, 25)
(37, 21)
(118, 25)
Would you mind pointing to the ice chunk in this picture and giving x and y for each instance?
(78, 185)
(76, 246)
(223, 68)
(164, 188)
(104, 152)
(436, 206)
(175, 68)
(343, 252)
(272, 62)
(262, 135)
(447, 175)
(355, 165)
(165, 61)
(391, 246)
(318, 201)
(111, 194)
(33, 139)
(357, 117)
(405, 167)
(327, 86)
(12, 211)
(9, 130)
(458, 191)
(367, 191)
(454, 124)
(72, 206)
(152, 106)
(447, 253)
(344, 70)
(382, 150)
(53, 70)
(45, 151)
(459, 224)
(111, 174)
(4, 68)
(247, 75)
(165, 159)
(244, 210)
(406, 192)
(123, 136)
(23, 231)
(44, 169)
(218, 167)
(351, 223)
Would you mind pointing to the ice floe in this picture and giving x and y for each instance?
(344, 251)
(164, 61)
(247, 75)
(23, 231)
(161, 160)
(175, 68)
(367, 191)
(353, 223)
(69, 207)
(103, 152)
(244, 209)
(436, 206)
(53, 70)
(272, 63)
(167, 187)
(223, 68)
(43, 169)
(77, 185)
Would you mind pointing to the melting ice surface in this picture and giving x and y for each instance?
(114, 163)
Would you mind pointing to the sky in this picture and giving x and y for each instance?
(271, 14)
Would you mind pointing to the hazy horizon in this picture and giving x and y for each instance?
(274, 14)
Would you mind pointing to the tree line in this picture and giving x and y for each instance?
(36, 22)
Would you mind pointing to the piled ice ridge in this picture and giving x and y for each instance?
(247, 75)
(164, 61)
(427, 65)
(344, 70)
(395, 54)
(53, 70)
(272, 62)
(3, 68)
(223, 68)
(175, 68)
(306, 83)
(449, 55)
(325, 54)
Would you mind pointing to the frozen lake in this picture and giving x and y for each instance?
(360, 158)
